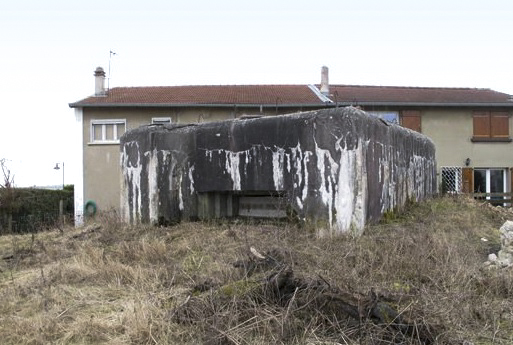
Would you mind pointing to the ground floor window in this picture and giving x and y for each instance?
(456, 180)
(489, 180)
(451, 180)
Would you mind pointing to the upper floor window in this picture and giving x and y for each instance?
(160, 120)
(107, 131)
(389, 116)
(491, 126)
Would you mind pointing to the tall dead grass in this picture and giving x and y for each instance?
(111, 283)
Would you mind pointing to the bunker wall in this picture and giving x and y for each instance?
(337, 169)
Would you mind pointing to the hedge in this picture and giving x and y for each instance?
(35, 209)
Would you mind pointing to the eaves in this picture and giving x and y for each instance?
(426, 104)
(295, 105)
(198, 105)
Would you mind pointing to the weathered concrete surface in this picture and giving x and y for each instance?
(337, 169)
(505, 255)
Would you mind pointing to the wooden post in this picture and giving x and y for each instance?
(61, 211)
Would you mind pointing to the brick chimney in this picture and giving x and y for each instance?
(99, 82)
(325, 84)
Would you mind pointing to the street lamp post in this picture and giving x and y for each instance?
(57, 167)
(61, 202)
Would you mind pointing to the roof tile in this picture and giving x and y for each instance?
(209, 94)
(292, 95)
(396, 94)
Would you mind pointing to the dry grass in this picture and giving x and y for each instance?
(109, 283)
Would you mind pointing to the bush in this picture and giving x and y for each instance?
(37, 209)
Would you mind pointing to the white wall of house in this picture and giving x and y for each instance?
(78, 167)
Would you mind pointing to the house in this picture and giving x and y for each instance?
(470, 127)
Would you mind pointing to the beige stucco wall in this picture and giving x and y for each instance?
(452, 130)
(101, 161)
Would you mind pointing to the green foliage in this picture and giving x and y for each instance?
(33, 208)
(8, 196)
(239, 287)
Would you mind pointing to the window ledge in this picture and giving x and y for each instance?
(490, 140)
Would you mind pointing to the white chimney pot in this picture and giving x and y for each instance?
(99, 82)
(325, 84)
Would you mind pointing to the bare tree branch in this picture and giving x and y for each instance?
(7, 178)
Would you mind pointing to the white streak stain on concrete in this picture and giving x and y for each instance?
(172, 164)
(327, 188)
(191, 180)
(300, 161)
(360, 204)
(232, 167)
(388, 186)
(344, 196)
(278, 160)
(297, 160)
(343, 186)
(305, 162)
(153, 165)
(132, 173)
(180, 197)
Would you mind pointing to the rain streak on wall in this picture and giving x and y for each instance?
(337, 169)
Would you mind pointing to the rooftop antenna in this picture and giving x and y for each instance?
(110, 58)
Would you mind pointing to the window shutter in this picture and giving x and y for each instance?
(499, 122)
(467, 185)
(411, 119)
(481, 125)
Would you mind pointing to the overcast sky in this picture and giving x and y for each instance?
(49, 50)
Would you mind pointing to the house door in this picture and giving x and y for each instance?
(490, 181)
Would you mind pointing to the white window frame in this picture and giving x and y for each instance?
(488, 182)
(489, 179)
(104, 124)
(161, 120)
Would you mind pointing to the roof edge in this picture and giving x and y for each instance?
(288, 105)
(430, 104)
(201, 105)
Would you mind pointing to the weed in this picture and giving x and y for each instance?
(112, 283)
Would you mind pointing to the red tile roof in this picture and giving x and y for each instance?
(206, 95)
(415, 95)
(294, 95)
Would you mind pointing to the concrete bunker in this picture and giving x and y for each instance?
(337, 169)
